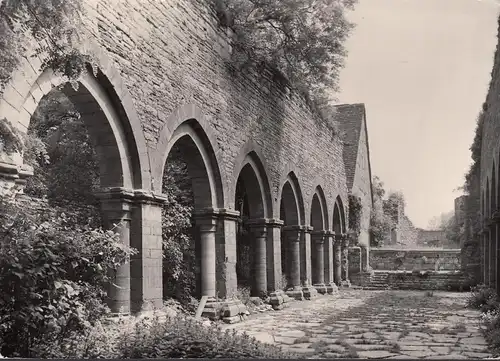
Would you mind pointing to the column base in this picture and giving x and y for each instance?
(331, 288)
(230, 310)
(279, 300)
(309, 292)
(321, 288)
(345, 283)
(295, 293)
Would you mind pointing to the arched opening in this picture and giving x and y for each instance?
(191, 183)
(488, 198)
(251, 200)
(291, 215)
(80, 141)
(319, 224)
(493, 189)
(337, 219)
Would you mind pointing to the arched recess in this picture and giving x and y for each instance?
(493, 189)
(319, 222)
(339, 225)
(107, 110)
(253, 201)
(190, 169)
(487, 199)
(319, 211)
(292, 214)
(192, 143)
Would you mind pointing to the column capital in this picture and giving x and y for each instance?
(215, 213)
(329, 233)
(269, 222)
(495, 216)
(297, 228)
(132, 195)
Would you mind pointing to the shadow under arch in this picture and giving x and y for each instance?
(109, 114)
(253, 201)
(338, 222)
(201, 162)
(319, 211)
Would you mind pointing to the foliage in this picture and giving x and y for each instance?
(11, 140)
(483, 298)
(381, 223)
(179, 261)
(60, 149)
(395, 199)
(52, 275)
(302, 40)
(54, 25)
(172, 337)
(355, 212)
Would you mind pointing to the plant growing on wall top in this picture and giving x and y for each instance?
(54, 25)
(302, 39)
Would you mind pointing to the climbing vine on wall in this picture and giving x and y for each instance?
(355, 210)
(53, 26)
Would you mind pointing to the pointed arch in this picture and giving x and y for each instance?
(106, 109)
(191, 140)
(487, 198)
(291, 203)
(251, 178)
(339, 225)
(319, 210)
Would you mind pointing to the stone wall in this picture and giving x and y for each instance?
(174, 61)
(362, 187)
(413, 259)
(430, 238)
(407, 280)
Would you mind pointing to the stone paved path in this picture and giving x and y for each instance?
(373, 324)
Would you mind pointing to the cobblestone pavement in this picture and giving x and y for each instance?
(373, 324)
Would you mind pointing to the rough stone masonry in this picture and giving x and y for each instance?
(164, 79)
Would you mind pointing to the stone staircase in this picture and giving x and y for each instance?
(416, 280)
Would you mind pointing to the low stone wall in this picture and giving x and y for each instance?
(392, 259)
(416, 280)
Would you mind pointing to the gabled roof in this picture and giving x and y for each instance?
(350, 119)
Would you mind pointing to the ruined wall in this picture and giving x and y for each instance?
(174, 54)
(407, 280)
(414, 259)
(431, 238)
(362, 186)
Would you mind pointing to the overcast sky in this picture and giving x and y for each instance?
(422, 67)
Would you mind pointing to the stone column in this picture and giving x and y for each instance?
(345, 261)
(116, 208)
(146, 267)
(293, 235)
(337, 259)
(277, 296)
(206, 227)
(259, 230)
(217, 233)
(305, 264)
(331, 287)
(318, 240)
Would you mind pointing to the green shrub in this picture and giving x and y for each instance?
(52, 277)
(173, 337)
(483, 298)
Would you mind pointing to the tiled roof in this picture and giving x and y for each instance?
(350, 119)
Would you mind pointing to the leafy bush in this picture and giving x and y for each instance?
(179, 254)
(483, 298)
(302, 40)
(172, 337)
(52, 276)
